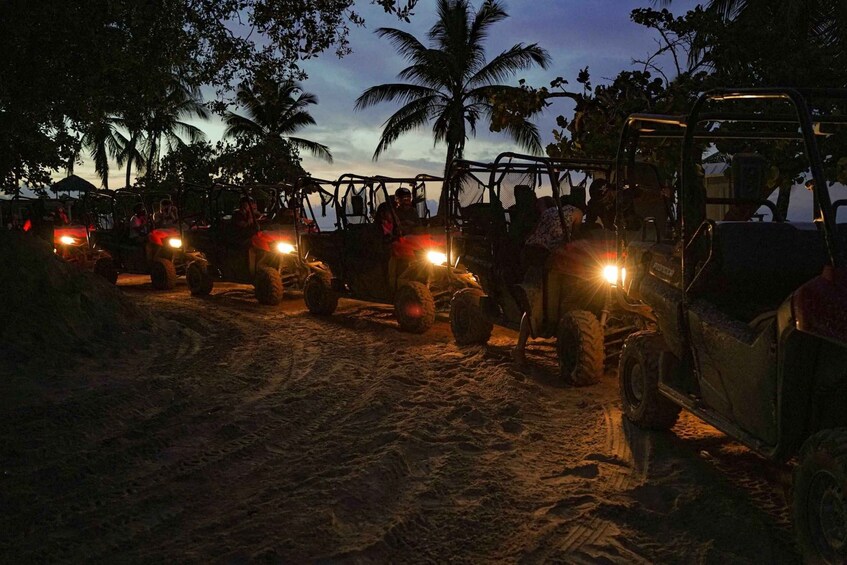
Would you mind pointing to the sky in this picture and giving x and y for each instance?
(576, 33)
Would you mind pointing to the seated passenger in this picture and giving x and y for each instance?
(384, 218)
(167, 214)
(522, 214)
(139, 227)
(288, 212)
(245, 220)
(247, 215)
(601, 206)
(549, 230)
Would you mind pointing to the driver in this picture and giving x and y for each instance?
(406, 212)
(247, 215)
(167, 214)
(60, 217)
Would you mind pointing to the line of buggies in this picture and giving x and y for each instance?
(711, 297)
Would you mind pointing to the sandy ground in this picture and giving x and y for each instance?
(269, 435)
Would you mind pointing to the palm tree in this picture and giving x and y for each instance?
(102, 140)
(274, 111)
(451, 83)
(163, 123)
(130, 151)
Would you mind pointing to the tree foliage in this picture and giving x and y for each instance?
(726, 44)
(69, 65)
(244, 161)
(188, 164)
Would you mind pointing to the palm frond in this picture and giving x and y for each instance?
(525, 135)
(317, 149)
(237, 125)
(295, 122)
(405, 43)
(504, 65)
(405, 93)
(487, 15)
(438, 70)
(413, 115)
(728, 9)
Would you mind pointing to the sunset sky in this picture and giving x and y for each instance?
(593, 33)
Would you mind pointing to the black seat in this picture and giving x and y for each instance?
(758, 265)
(483, 218)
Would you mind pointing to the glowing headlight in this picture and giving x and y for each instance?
(610, 273)
(175, 242)
(67, 240)
(285, 248)
(436, 257)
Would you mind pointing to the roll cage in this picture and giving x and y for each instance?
(474, 183)
(693, 200)
(357, 197)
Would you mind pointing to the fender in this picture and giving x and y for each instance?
(819, 305)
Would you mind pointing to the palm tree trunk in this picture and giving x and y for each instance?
(445, 185)
(128, 168)
(151, 163)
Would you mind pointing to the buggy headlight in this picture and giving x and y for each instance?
(436, 257)
(175, 242)
(285, 248)
(610, 273)
(67, 240)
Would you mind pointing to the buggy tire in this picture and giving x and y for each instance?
(820, 484)
(414, 308)
(318, 295)
(638, 379)
(579, 348)
(162, 274)
(468, 322)
(268, 286)
(105, 267)
(197, 276)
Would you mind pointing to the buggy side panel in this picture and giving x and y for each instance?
(323, 246)
(738, 364)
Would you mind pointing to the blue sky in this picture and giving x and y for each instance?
(577, 33)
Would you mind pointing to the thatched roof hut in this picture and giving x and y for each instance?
(72, 183)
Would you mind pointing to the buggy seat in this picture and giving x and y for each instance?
(483, 218)
(757, 265)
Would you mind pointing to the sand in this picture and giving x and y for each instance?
(264, 434)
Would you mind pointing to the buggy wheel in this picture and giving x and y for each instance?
(467, 320)
(414, 308)
(580, 348)
(163, 274)
(318, 295)
(820, 487)
(268, 286)
(105, 267)
(199, 281)
(638, 377)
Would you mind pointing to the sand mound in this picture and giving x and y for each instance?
(52, 310)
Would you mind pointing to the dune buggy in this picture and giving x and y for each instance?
(406, 266)
(568, 298)
(267, 254)
(750, 333)
(157, 250)
(61, 221)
